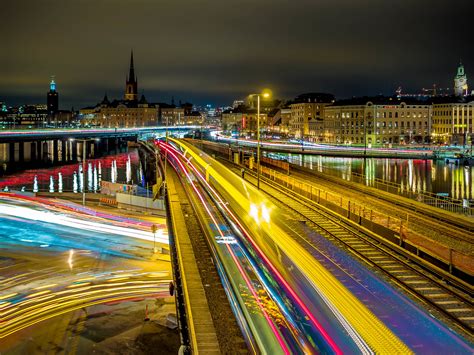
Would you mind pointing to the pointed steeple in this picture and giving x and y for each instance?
(105, 100)
(131, 86)
(131, 74)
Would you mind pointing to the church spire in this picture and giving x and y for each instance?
(131, 86)
(131, 74)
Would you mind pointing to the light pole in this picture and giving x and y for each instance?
(365, 136)
(265, 95)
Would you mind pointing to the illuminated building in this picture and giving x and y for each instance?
(460, 82)
(128, 112)
(194, 118)
(242, 121)
(170, 114)
(378, 120)
(307, 113)
(453, 120)
(52, 98)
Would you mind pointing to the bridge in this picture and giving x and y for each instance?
(55, 146)
(61, 134)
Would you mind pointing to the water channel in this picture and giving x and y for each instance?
(416, 175)
(411, 174)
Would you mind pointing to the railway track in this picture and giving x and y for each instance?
(421, 219)
(427, 287)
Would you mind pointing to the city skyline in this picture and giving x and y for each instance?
(246, 48)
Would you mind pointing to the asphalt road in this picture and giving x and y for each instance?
(57, 258)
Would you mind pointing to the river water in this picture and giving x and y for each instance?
(411, 174)
(121, 168)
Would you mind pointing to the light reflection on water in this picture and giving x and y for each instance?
(117, 168)
(411, 174)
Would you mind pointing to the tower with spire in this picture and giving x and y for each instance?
(131, 85)
(460, 81)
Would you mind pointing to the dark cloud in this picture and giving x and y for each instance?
(214, 51)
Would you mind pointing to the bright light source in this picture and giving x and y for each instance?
(265, 213)
(266, 93)
(254, 212)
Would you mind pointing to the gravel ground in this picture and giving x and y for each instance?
(228, 332)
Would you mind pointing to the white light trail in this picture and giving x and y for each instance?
(74, 222)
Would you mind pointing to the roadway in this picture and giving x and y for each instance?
(332, 150)
(57, 258)
(341, 313)
(43, 134)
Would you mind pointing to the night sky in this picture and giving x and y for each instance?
(214, 51)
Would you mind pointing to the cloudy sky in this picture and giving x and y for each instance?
(213, 51)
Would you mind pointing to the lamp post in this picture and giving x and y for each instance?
(265, 95)
(365, 136)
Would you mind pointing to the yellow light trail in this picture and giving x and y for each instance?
(377, 335)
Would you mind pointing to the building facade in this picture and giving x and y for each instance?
(128, 112)
(452, 122)
(170, 115)
(307, 115)
(377, 121)
(120, 113)
(242, 122)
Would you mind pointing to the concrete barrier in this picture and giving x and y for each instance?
(140, 203)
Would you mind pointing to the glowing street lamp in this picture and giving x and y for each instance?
(265, 94)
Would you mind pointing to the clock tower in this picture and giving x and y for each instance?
(460, 82)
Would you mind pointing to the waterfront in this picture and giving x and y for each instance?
(416, 175)
(121, 168)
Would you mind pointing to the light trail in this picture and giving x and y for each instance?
(265, 216)
(49, 217)
(249, 284)
(280, 278)
(314, 146)
(24, 310)
(374, 332)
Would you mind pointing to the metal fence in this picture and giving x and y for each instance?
(460, 206)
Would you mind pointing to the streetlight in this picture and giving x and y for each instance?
(265, 94)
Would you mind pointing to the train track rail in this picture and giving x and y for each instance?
(427, 287)
(423, 218)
